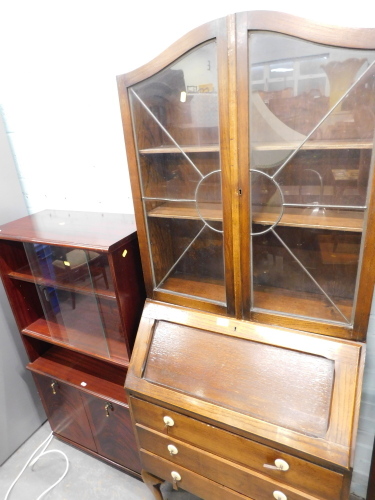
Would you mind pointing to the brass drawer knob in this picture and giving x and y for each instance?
(54, 385)
(169, 422)
(172, 449)
(279, 495)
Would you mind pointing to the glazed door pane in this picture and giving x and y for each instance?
(67, 281)
(176, 127)
(311, 138)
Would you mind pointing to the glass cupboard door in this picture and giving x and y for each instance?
(312, 110)
(68, 281)
(176, 128)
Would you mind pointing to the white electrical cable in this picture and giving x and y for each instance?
(32, 461)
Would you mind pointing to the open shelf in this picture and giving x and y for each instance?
(92, 376)
(24, 274)
(343, 220)
(86, 343)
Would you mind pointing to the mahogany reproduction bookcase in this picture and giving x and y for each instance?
(75, 285)
(250, 149)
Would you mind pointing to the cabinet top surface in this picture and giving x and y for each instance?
(70, 228)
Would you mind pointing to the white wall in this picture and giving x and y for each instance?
(58, 89)
(58, 63)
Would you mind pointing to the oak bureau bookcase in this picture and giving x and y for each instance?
(250, 149)
(74, 282)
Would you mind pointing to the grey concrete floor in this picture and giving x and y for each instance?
(87, 478)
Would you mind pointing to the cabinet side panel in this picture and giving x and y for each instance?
(127, 276)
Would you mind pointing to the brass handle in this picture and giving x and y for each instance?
(54, 385)
(108, 407)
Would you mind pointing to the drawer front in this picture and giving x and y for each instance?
(191, 482)
(234, 477)
(316, 480)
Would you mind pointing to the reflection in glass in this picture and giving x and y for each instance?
(311, 136)
(175, 116)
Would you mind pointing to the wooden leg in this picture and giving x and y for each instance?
(153, 483)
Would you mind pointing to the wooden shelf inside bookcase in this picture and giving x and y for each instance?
(39, 329)
(211, 291)
(294, 217)
(279, 300)
(186, 210)
(210, 148)
(25, 274)
(266, 146)
(270, 299)
(74, 368)
(302, 217)
(313, 145)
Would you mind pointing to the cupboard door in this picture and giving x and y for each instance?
(113, 433)
(178, 141)
(310, 141)
(65, 411)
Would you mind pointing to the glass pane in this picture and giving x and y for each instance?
(311, 139)
(188, 255)
(66, 282)
(175, 116)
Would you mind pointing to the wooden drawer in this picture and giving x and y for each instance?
(233, 476)
(252, 485)
(194, 483)
(302, 475)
